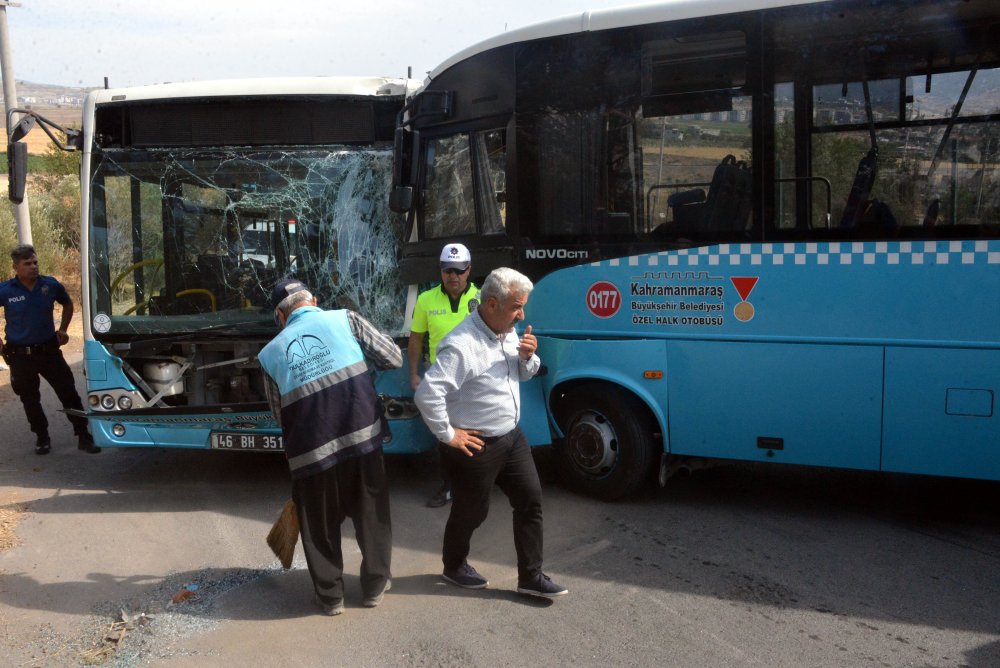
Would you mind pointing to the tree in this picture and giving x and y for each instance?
(57, 162)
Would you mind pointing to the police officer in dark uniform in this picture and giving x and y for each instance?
(32, 346)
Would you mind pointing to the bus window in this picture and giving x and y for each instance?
(844, 103)
(134, 229)
(937, 96)
(606, 206)
(785, 174)
(491, 184)
(451, 202)
(621, 209)
(448, 205)
(930, 147)
(218, 229)
(691, 64)
(696, 135)
(565, 143)
(682, 155)
(954, 177)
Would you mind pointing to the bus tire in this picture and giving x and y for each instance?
(609, 447)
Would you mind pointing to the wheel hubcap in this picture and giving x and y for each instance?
(593, 444)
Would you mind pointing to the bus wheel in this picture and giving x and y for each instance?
(609, 449)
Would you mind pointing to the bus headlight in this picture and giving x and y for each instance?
(107, 402)
(118, 430)
(124, 402)
(94, 400)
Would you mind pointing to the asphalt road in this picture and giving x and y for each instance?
(742, 565)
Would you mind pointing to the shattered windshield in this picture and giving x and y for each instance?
(194, 240)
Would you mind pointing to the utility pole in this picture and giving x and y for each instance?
(21, 216)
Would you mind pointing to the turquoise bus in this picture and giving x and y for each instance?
(760, 230)
(196, 198)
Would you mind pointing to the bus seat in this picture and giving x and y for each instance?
(213, 264)
(686, 197)
(218, 275)
(932, 213)
(861, 189)
(877, 220)
(686, 207)
(728, 204)
(214, 271)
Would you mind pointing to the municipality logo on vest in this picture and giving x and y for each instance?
(303, 347)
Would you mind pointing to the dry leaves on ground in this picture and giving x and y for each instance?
(10, 515)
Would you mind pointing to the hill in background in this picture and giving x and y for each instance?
(60, 104)
(47, 96)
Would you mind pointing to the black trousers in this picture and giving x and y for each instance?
(25, 371)
(506, 461)
(355, 488)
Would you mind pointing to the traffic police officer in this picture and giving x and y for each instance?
(32, 346)
(436, 313)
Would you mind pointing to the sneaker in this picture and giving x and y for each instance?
(441, 498)
(331, 609)
(542, 586)
(86, 443)
(42, 445)
(465, 576)
(372, 601)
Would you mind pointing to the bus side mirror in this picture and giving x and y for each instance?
(17, 154)
(401, 199)
(399, 156)
(405, 145)
(17, 159)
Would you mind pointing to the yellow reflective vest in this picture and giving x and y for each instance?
(436, 313)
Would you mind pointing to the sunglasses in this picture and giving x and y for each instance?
(454, 272)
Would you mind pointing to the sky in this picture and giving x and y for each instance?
(136, 42)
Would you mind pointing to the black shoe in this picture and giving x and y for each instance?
(441, 498)
(86, 443)
(331, 609)
(542, 586)
(372, 601)
(465, 576)
(42, 445)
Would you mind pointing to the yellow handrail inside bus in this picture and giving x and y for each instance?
(198, 291)
(135, 307)
(158, 261)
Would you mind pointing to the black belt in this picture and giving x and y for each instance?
(36, 349)
(493, 439)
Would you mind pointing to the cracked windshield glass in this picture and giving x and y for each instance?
(189, 241)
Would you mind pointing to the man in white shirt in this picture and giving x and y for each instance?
(470, 400)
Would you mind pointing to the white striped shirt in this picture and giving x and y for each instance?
(473, 384)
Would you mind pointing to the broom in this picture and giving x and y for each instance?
(284, 535)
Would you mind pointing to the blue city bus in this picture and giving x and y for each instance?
(761, 230)
(196, 198)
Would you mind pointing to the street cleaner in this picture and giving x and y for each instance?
(322, 395)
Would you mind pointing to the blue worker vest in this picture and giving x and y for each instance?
(329, 409)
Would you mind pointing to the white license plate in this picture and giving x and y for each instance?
(241, 440)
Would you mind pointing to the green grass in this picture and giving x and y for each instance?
(38, 164)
